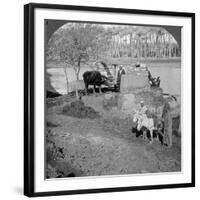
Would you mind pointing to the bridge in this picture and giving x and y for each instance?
(53, 25)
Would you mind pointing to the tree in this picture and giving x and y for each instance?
(62, 57)
(77, 44)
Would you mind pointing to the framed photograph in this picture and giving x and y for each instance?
(109, 99)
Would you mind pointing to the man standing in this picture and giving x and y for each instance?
(167, 138)
(121, 71)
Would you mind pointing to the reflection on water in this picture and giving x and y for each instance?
(170, 75)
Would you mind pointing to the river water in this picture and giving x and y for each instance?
(170, 76)
(169, 72)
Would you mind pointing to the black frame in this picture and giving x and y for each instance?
(29, 97)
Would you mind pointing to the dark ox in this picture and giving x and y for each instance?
(94, 78)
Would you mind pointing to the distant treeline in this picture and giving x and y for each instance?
(115, 42)
(149, 42)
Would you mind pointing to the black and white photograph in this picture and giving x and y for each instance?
(113, 99)
(99, 99)
(109, 100)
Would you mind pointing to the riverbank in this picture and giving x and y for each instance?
(125, 61)
(105, 144)
(169, 73)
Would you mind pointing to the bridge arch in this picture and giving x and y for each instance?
(53, 25)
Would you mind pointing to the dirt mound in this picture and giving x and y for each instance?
(55, 155)
(151, 97)
(110, 100)
(79, 110)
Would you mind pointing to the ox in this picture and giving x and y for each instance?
(94, 78)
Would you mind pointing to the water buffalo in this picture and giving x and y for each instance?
(94, 78)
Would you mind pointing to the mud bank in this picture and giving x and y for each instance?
(86, 145)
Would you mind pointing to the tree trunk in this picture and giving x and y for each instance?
(66, 78)
(131, 53)
(76, 88)
(77, 70)
(77, 76)
(145, 48)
